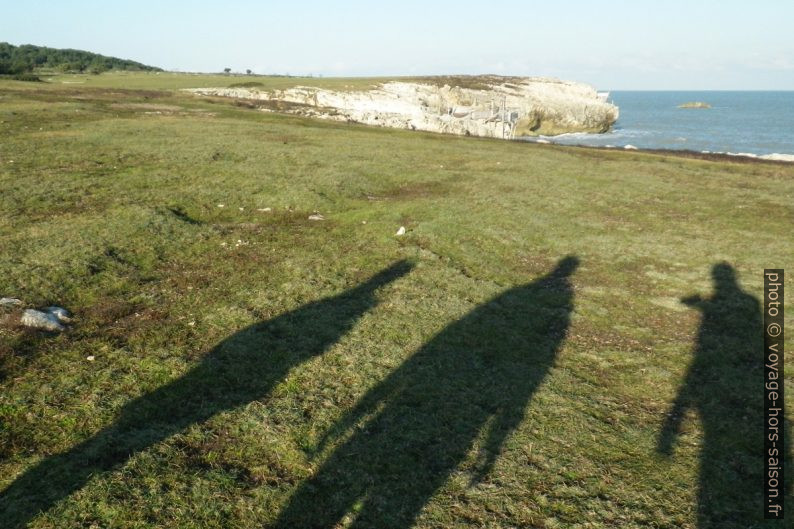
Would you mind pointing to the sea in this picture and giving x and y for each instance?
(748, 123)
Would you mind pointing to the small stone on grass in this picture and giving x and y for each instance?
(10, 302)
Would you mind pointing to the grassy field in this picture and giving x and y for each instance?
(563, 337)
(176, 81)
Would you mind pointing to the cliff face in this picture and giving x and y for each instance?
(490, 106)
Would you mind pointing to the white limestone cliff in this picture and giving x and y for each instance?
(489, 106)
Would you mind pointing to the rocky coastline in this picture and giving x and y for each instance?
(485, 106)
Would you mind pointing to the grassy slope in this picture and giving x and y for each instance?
(109, 206)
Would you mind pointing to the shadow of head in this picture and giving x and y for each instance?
(391, 273)
(558, 279)
(566, 267)
(724, 276)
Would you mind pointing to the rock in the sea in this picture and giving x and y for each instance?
(489, 105)
(37, 319)
(10, 302)
(694, 104)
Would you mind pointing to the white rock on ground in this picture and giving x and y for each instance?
(401, 231)
(10, 302)
(37, 319)
(490, 106)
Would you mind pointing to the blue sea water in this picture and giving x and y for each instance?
(739, 122)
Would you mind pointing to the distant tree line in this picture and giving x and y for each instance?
(28, 58)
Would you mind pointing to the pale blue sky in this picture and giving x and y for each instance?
(618, 44)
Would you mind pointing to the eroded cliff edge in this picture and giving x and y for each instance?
(489, 106)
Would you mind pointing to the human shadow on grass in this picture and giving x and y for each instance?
(474, 380)
(725, 387)
(239, 370)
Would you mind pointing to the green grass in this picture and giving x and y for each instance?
(175, 81)
(255, 368)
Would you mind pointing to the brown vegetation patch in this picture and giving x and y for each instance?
(87, 94)
(472, 82)
(413, 190)
(146, 106)
(118, 321)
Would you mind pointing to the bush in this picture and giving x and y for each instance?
(26, 77)
(247, 84)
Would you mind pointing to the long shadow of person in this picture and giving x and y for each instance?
(475, 378)
(241, 369)
(724, 385)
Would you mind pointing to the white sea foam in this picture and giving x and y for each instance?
(619, 139)
(778, 157)
(572, 135)
(775, 157)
